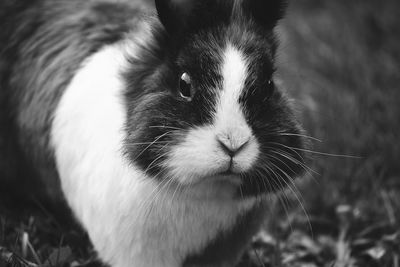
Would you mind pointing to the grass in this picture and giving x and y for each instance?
(340, 60)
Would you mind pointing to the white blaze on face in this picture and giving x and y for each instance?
(230, 121)
(201, 154)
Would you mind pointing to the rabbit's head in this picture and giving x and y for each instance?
(202, 103)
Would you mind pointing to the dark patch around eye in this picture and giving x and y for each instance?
(170, 109)
(185, 87)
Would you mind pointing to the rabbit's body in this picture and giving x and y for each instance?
(42, 46)
(148, 226)
(159, 171)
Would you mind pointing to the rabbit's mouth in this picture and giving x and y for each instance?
(256, 169)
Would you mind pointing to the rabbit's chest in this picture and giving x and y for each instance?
(174, 228)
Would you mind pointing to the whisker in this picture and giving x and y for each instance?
(159, 157)
(149, 201)
(166, 127)
(171, 200)
(146, 143)
(284, 163)
(187, 123)
(290, 158)
(155, 201)
(317, 152)
(241, 193)
(291, 149)
(155, 140)
(295, 194)
(177, 188)
(301, 135)
(283, 200)
(263, 180)
(307, 169)
(326, 154)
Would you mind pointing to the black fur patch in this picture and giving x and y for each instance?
(155, 75)
(265, 12)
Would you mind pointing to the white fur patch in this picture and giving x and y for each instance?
(131, 219)
(230, 123)
(200, 155)
(229, 113)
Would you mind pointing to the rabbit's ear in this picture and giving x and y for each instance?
(179, 16)
(174, 14)
(266, 13)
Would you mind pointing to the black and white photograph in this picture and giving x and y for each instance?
(199, 133)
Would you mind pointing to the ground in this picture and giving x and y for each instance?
(340, 61)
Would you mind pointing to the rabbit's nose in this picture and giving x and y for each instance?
(232, 145)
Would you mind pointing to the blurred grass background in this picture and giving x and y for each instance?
(340, 61)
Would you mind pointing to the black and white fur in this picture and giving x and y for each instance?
(157, 178)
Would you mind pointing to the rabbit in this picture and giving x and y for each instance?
(160, 125)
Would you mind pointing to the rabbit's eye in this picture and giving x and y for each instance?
(270, 89)
(185, 87)
(271, 84)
